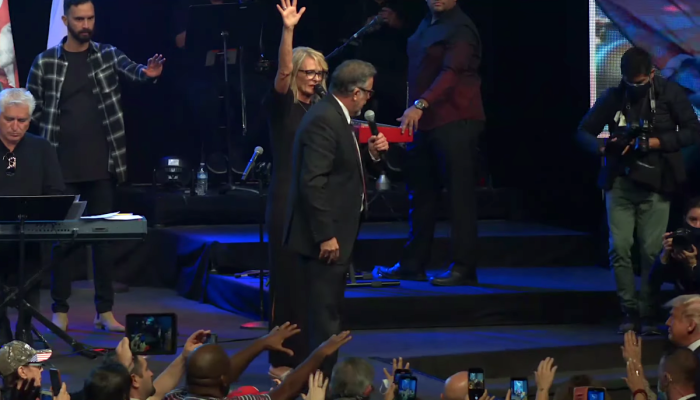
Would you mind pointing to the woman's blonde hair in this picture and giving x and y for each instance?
(299, 54)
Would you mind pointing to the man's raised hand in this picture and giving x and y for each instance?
(274, 340)
(334, 343)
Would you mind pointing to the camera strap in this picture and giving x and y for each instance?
(652, 104)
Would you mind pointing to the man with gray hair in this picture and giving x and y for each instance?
(30, 168)
(351, 379)
(684, 322)
(328, 196)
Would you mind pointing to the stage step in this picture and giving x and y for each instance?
(505, 296)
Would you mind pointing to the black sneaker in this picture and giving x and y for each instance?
(629, 323)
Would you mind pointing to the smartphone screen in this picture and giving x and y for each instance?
(56, 383)
(476, 383)
(152, 334)
(596, 394)
(518, 388)
(406, 387)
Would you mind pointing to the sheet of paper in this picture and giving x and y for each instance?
(103, 216)
(124, 217)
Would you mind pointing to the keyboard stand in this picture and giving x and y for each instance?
(36, 208)
(23, 306)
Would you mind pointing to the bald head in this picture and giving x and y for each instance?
(456, 386)
(208, 368)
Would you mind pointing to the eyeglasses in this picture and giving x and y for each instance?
(637, 84)
(369, 92)
(310, 73)
(11, 163)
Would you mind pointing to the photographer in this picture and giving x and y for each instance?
(679, 258)
(650, 119)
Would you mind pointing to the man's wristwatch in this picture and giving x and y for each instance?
(420, 104)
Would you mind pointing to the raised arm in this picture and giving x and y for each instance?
(318, 144)
(139, 72)
(34, 85)
(171, 377)
(290, 18)
(294, 383)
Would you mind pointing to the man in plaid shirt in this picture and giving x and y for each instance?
(78, 110)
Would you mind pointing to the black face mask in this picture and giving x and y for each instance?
(638, 92)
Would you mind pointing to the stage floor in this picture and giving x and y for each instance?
(502, 351)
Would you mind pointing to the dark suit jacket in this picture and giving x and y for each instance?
(325, 198)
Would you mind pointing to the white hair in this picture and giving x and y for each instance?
(16, 97)
(689, 304)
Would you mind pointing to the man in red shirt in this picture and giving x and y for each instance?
(446, 117)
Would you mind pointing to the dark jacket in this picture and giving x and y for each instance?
(325, 199)
(675, 125)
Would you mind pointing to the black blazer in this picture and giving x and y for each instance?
(325, 198)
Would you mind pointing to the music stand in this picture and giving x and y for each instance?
(20, 210)
(225, 27)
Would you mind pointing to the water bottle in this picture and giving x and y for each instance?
(202, 182)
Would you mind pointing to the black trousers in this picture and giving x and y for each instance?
(288, 289)
(100, 200)
(9, 252)
(443, 157)
(325, 296)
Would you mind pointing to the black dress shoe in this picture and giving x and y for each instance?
(455, 278)
(398, 273)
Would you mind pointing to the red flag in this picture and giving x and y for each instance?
(8, 63)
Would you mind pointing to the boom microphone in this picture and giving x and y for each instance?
(256, 153)
(373, 25)
(320, 91)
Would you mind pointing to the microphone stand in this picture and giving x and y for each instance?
(262, 172)
(365, 29)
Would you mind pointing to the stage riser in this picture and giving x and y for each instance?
(493, 252)
(165, 209)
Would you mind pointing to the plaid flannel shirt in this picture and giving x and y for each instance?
(45, 82)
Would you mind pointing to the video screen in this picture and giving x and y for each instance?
(664, 28)
(152, 334)
(476, 380)
(519, 390)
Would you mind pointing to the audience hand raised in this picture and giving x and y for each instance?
(274, 340)
(334, 343)
(395, 364)
(124, 355)
(635, 376)
(632, 348)
(317, 387)
(194, 341)
(544, 376)
(63, 394)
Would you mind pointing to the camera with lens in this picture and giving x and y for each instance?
(683, 240)
(639, 132)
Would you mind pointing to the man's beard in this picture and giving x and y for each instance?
(78, 36)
